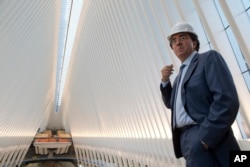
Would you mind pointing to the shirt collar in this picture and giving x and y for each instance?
(189, 59)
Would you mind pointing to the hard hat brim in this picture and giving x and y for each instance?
(170, 35)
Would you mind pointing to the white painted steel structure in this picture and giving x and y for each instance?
(111, 103)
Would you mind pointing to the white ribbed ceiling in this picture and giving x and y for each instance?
(112, 86)
(28, 53)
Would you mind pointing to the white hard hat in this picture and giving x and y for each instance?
(181, 27)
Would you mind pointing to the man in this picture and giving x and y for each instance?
(203, 101)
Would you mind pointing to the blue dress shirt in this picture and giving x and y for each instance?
(181, 117)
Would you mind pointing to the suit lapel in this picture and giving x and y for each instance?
(188, 74)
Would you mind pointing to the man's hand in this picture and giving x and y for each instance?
(166, 72)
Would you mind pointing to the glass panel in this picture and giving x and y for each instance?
(236, 49)
(221, 14)
(246, 3)
(246, 76)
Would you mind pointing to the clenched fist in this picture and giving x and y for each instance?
(166, 72)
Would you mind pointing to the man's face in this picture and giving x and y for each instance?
(182, 45)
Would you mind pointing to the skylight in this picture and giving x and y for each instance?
(71, 10)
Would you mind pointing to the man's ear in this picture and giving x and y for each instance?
(194, 45)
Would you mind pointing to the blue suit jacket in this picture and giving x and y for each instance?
(209, 97)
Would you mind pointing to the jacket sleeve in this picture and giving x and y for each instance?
(166, 94)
